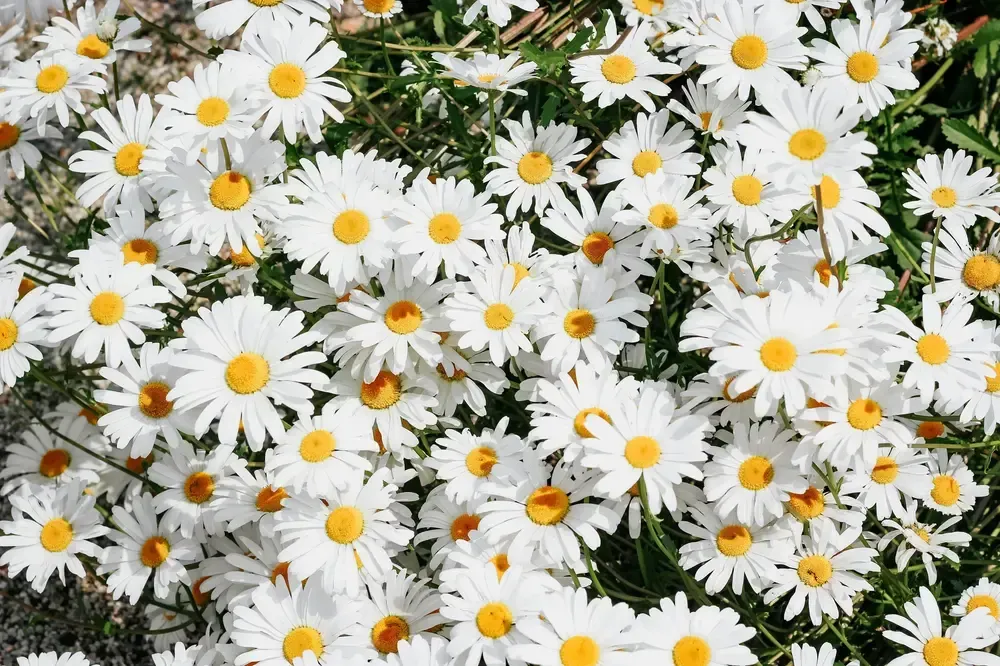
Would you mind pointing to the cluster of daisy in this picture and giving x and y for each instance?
(323, 475)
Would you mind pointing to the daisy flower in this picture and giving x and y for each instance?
(533, 163)
(498, 12)
(228, 16)
(379, 9)
(667, 209)
(95, 35)
(895, 474)
(35, 88)
(629, 71)
(470, 464)
(708, 113)
(189, 480)
(931, 541)
(399, 608)
(955, 490)
(139, 410)
(331, 536)
(743, 47)
(708, 636)
(23, 328)
(961, 272)
(52, 659)
(807, 655)
(821, 509)
(649, 144)
(32, 12)
(247, 498)
(243, 569)
(726, 551)
(488, 71)
(241, 359)
(144, 549)
(518, 250)
(421, 652)
(445, 220)
(106, 309)
(850, 210)
(39, 460)
(930, 645)
(48, 532)
(16, 147)
(446, 523)
(984, 594)
(462, 385)
(286, 75)
(321, 453)
(944, 188)
(802, 260)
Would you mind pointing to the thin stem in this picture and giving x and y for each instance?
(114, 75)
(934, 247)
(385, 51)
(493, 122)
(607, 51)
(824, 243)
(225, 154)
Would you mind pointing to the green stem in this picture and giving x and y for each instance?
(934, 247)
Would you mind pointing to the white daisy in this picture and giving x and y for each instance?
(708, 113)
(488, 71)
(95, 35)
(23, 328)
(930, 645)
(35, 88)
(984, 594)
(671, 214)
(955, 490)
(17, 149)
(945, 189)
(471, 464)
(42, 460)
(961, 272)
(931, 541)
(399, 608)
(648, 145)
(228, 16)
(894, 475)
(189, 480)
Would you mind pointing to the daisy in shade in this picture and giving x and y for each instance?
(52, 83)
(211, 105)
(818, 507)
(16, 147)
(496, 313)
(708, 636)
(931, 646)
(327, 538)
(645, 441)
(498, 12)
(445, 524)
(460, 380)
(955, 490)
(106, 309)
(321, 453)
(286, 76)
(629, 71)
(826, 573)
(285, 622)
(710, 114)
(961, 272)
(727, 551)
(984, 594)
(139, 411)
(144, 549)
(51, 658)
(534, 163)
(48, 532)
(399, 607)
(669, 212)
(488, 71)
(546, 513)
(944, 188)
(248, 499)
(897, 474)
(228, 16)
(445, 220)
(744, 46)
(379, 9)
(807, 135)
(648, 145)
(931, 541)
(225, 205)
(42, 460)
(90, 37)
(471, 464)
(575, 632)
(22, 328)
(950, 350)
(864, 64)
(189, 480)
(241, 358)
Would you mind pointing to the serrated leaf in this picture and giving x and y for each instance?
(964, 135)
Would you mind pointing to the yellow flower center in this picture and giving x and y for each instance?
(691, 651)
(830, 191)
(243, 258)
(596, 245)
(981, 272)
(494, 620)
(107, 308)
(930, 429)
(944, 197)
(885, 470)
(92, 47)
(388, 631)
(862, 67)
(382, 392)
(53, 463)
(317, 446)
(807, 144)
(749, 52)
(747, 189)
(580, 651)
(778, 355)
(579, 324)
(199, 487)
(247, 373)
(270, 499)
(501, 564)
(287, 81)
(983, 601)
(444, 228)
(933, 349)
(140, 251)
(756, 473)
(345, 524)
(547, 505)
(992, 380)
(212, 111)
(9, 135)
(379, 6)
(807, 505)
(824, 270)
(269, 3)
(941, 651)
(663, 216)
(8, 333)
(646, 162)
(946, 490)
(648, 7)
(351, 227)
(300, 639)
(56, 535)
(581, 418)
(154, 552)
(642, 452)
(153, 400)
(463, 525)
(480, 461)
(618, 69)
(535, 168)
(498, 317)
(864, 414)
(230, 191)
(815, 570)
(733, 540)
(403, 317)
(706, 119)
(52, 79)
(127, 159)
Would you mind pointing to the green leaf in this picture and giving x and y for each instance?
(439, 25)
(934, 110)
(579, 39)
(547, 61)
(988, 33)
(549, 109)
(600, 30)
(965, 136)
